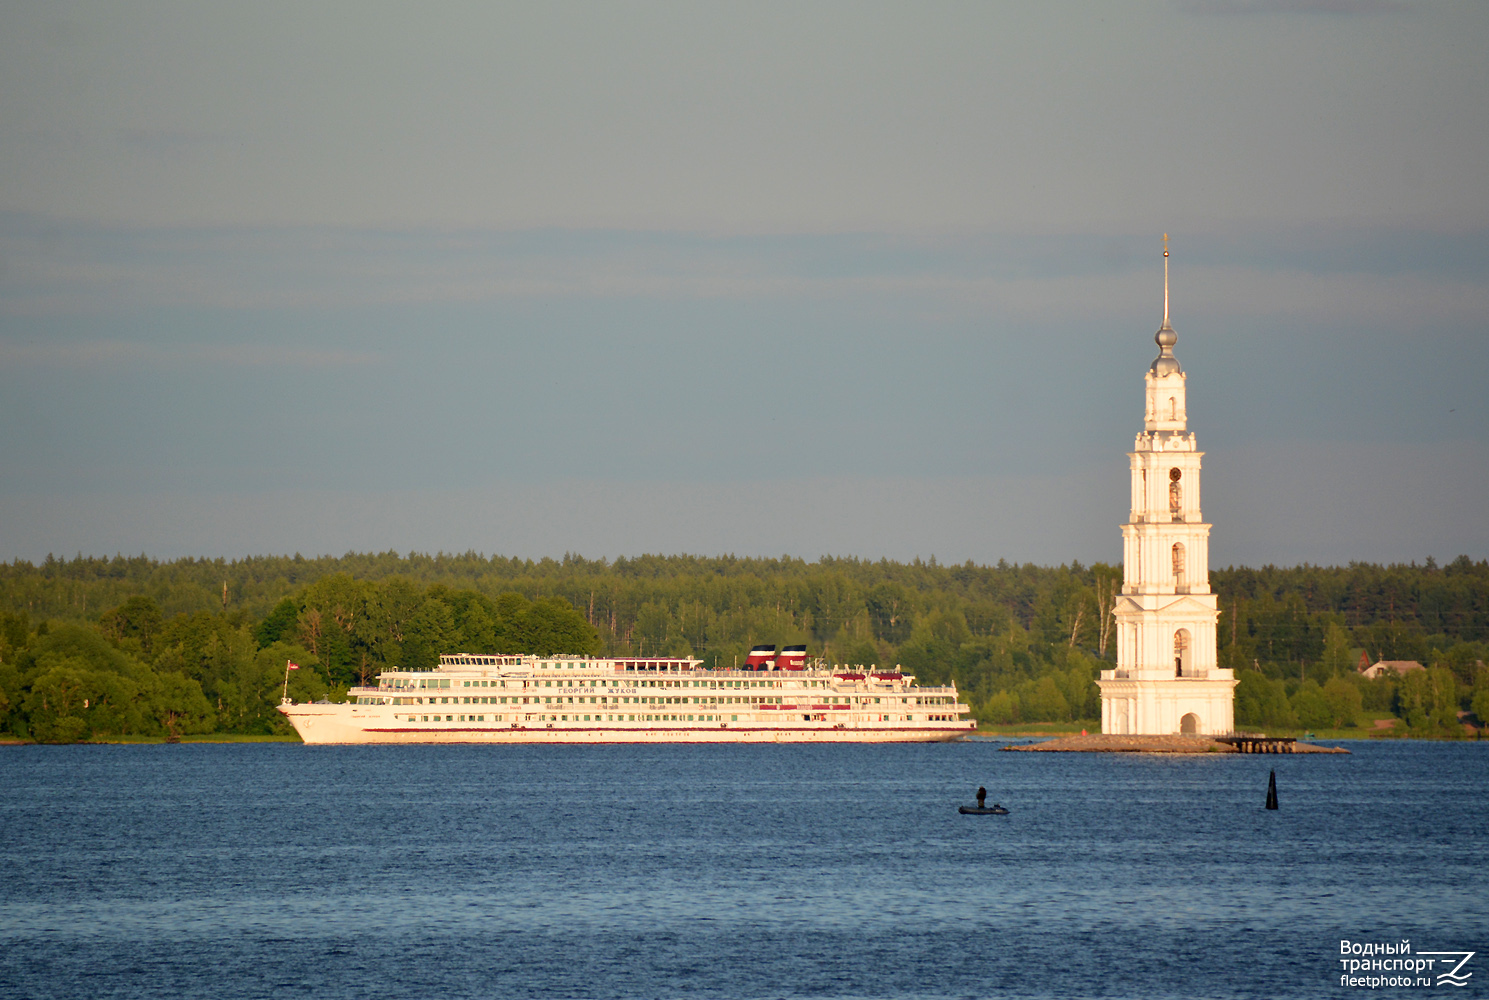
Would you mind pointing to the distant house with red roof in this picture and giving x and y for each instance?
(1397, 667)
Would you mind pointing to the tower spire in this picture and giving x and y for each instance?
(1166, 364)
(1165, 279)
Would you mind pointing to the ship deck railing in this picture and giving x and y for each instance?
(726, 674)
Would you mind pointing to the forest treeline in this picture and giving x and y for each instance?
(101, 647)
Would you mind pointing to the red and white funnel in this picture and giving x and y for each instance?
(792, 658)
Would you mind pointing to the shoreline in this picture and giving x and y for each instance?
(16, 741)
(1062, 739)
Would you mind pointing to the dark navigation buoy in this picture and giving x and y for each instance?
(1272, 791)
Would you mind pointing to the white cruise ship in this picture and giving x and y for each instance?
(583, 699)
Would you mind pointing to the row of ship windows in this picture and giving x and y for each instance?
(640, 718)
(507, 661)
(565, 718)
(593, 701)
(426, 683)
(641, 701)
(516, 661)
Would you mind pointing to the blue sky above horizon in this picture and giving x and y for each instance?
(808, 279)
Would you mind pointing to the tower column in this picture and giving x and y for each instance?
(1167, 678)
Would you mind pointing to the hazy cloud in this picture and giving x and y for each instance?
(115, 353)
(59, 267)
(765, 117)
(166, 141)
(1297, 7)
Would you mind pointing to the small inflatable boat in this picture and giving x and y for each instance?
(992, 810)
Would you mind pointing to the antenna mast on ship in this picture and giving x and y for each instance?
(288, 666)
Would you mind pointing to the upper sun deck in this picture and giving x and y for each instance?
(460, 662)
(630, 670)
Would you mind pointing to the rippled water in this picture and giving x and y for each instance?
(232, 871)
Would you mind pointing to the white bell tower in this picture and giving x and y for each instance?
(1166, 679)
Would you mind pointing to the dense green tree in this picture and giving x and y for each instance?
(177, 702)
(136, 621)
(550, 626)
(891, 612)
(1344, 702)
(59, 701)
(278, 625)
(1045, 703)
(1378, 695)
(1002, 708)
(248, 696)
(205, 647)
(80, 691)
(1078, 685)
(1336, 657)
(1443, 701)
(1428, 701)
(1262, 701)
(15, 632)
(331, 610)
(1479, 699)
(431, 632)
(1310, 706)
(862, 653)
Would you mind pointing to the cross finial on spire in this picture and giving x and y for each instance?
(1165, 279)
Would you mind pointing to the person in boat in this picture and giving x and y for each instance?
(981, 797)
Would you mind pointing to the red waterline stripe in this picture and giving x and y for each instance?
(676, 729)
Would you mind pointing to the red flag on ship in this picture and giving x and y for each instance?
(290, 665)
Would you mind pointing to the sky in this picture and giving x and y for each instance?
(856, 279)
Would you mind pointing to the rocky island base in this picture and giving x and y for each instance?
(1103, 743)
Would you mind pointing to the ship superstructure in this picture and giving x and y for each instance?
(783, 698)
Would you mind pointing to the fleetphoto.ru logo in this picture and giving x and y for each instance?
(1374, 965)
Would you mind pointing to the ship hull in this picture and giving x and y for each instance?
(525, 698)
(317, 725)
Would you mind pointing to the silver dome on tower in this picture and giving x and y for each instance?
(1166, 338)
